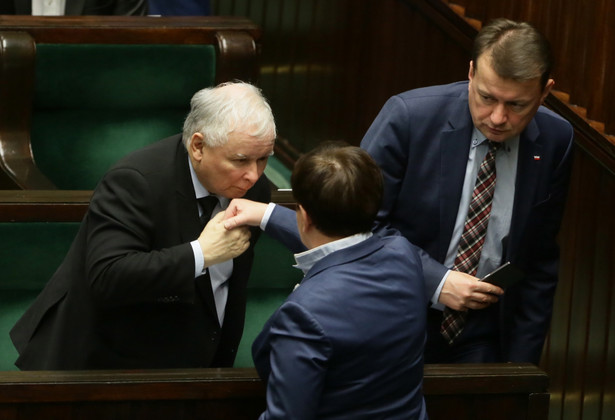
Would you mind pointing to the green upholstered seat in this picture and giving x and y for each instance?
(30, 254)
(32, 251)
(94, 103)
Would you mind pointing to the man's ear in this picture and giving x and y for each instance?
(197, 143)
(547, 89)
(306, 220)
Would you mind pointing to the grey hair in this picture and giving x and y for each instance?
(517, 50)
(218, 111)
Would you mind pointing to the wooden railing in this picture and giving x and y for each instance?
(459, 392)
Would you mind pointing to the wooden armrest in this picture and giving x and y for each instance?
(18, 169)
(68, 205)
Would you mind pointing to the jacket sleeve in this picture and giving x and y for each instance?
(298, 353)
(387, 142)
(122, 265)
(282, 226)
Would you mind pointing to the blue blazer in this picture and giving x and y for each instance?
(348, 342)
(421, 140)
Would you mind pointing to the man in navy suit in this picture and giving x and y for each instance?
(348, 341)
(150, 281)
(429, 143)
(74, 7)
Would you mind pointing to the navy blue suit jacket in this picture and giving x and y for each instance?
(421, 140)
(348, 342)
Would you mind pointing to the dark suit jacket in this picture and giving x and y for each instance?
(348, 342)
(82, 7)
(125, 295)
(421, 140)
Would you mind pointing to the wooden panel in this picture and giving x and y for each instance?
(582, 36)
(236, 40)
(127, 29)
(67, 205)
(580, 351)
(327, 67)
(506, 391)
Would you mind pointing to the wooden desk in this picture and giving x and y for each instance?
(502, 391)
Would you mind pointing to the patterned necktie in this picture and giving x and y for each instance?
(207, 205)
(472, 238)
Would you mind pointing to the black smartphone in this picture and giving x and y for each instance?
(504, 276)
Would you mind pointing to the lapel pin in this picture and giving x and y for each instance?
(536, 157)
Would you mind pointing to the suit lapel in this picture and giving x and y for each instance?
(188, 218)
(23, 7)
(187, 209)
(528, 169)
(454, 145)
(74, 7)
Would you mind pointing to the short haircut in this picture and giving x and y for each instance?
(217, 111)
(340, 187)
(517, 50)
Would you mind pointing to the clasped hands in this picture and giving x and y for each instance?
(227, 234)
(462, 291)
(219, 244)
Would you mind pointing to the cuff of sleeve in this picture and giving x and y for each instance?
(436, 296)
(267, 215)
(199, 261)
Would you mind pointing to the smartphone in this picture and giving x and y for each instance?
(504, 276)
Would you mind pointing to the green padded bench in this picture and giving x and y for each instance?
(82, 92)
(31, 250)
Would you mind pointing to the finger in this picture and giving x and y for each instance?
(487, 288)
(231, 223)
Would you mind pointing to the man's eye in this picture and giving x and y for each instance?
(517, 107)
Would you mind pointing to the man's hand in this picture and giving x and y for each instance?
(462, 291)
(241, 212)
(219, 244)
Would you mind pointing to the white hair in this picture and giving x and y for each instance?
(218, 111)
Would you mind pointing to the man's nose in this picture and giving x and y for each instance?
(252, 172)
(499, 115)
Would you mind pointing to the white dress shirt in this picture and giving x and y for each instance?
(48, 7)
(218, 273)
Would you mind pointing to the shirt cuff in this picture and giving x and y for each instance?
(199, 261)
(267, 215)
(434, 299)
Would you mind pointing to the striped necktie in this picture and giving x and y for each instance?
(472, 238)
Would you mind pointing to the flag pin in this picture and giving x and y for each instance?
(536, 157)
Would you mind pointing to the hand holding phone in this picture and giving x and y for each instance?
(504, 276)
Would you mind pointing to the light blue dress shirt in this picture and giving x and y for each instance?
(501, 209)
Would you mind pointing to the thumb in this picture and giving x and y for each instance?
(233, 222)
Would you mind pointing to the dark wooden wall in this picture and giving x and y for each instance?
(582, 35)
(328, 67)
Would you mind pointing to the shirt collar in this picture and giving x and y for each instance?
(479, 138)
(306, 260)
(200, 191)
